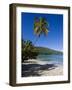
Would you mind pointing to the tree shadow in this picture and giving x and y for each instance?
(33, 69)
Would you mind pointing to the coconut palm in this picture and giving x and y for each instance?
(40, 26)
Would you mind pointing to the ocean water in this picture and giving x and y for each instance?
(51, 59)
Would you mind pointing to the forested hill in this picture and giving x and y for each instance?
(43, 50)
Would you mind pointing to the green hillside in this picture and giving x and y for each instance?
(43, 50)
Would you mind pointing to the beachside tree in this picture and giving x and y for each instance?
(40, 26)
(28, 51)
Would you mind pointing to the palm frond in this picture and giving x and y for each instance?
(41, 26)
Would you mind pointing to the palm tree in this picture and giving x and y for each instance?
(40, 26)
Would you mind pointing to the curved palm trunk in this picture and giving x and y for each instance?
(36, 40)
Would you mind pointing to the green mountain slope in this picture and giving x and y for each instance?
(43, 50)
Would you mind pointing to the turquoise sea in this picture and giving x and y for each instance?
(53, 59)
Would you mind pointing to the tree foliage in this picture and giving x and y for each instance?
(28, 51)
(40, 26)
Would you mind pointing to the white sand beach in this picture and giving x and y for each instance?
(40, 68)
(53, 72)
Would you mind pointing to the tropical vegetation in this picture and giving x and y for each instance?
(28, 51)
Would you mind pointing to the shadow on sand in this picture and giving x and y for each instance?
(33, 69)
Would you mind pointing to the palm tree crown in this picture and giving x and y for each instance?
(41, 26)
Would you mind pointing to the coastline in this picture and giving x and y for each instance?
(34, 67)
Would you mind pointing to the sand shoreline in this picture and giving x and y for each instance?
(34, 67)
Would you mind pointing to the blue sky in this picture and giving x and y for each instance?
(53, 40)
